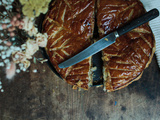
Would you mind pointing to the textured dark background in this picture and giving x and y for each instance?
(44, 96)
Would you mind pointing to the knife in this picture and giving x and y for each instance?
(109, 39)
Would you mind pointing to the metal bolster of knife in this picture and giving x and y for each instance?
(116, 34)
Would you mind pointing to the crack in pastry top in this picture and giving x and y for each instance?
(70, 24)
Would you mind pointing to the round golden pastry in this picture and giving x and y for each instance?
(70, 25)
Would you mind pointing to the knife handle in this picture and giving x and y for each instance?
(139, 21)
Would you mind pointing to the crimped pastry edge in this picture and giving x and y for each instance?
(136, 79)
(150, 60)
(90, 72)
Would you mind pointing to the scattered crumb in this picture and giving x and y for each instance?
(74, 87)
(94, 68)
(79, 89)
(11, 70)
(42, 61)
(18, 71)
(79, 83)
(2, 90)
(106, 39)
(35, 71)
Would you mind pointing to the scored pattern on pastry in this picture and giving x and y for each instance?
(69, 25)
(125, 60)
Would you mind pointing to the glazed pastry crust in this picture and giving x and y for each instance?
(125, 60)
(69, 25)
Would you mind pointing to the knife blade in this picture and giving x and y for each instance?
(92, 49)
(109, 39)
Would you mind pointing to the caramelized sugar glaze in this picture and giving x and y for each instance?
(70, 24)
